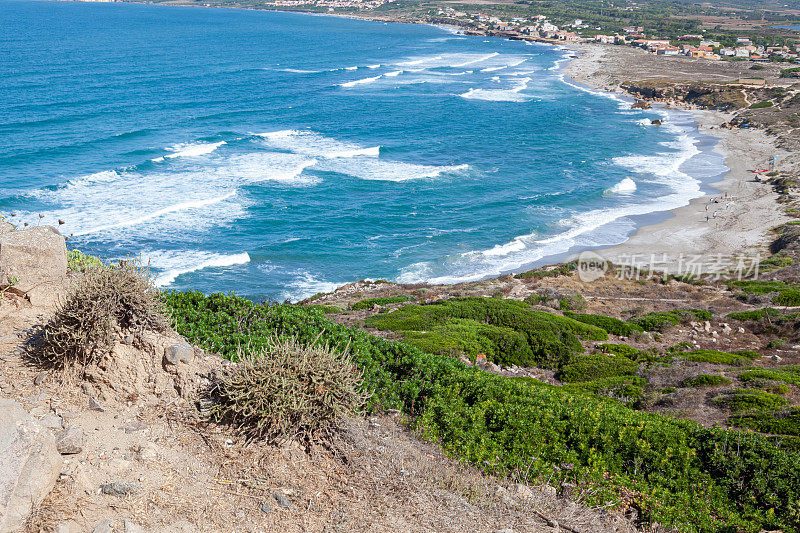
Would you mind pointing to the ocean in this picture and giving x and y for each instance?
(279, 155)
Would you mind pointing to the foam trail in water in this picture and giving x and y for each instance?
(500, 95)
(171, 264)
(627, 186)
(310, 143)
(363, 81)
(191, 150)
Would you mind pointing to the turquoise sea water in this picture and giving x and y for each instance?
(280, 154)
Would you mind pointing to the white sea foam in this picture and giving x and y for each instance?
(191, 150)
(313, 144)
(627, 186)
(171, 264)
(393, 73)
(305, 284)
(381, 170)
(363, 81)
(513, 94)
(377, 65)
(298, 70)
(479, 59)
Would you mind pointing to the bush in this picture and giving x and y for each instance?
(719, 358)
(567, 269)
(572, 302)
(612, 325)
(78, 261)
(385, 300)
(761, 105)
(682, 474)
(626, 389)
(740, 400)
(788, 297)
(81, 331)
(327, 309)
(662, 320)
(776, 422)
(757, 314)
(705, 380)
(787, 294)
(787, 374)
(286, 390)
(550, 338)
(777, 343)
(621, 349)
(596, 366)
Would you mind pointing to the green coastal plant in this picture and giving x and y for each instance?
(684, 475)
(369, 303)
(705, 380)
(614, 326)
(78, 261)
(662, 320)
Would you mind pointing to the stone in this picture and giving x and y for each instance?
(51, 421)
(40, 377)
(178, 353)
(70, 441)
(132, 527)
(726, 329)
(147, 452)
(136, 425)
(265, 508)
(740, 330)
(776, 358)
(707, 326)
(119, 488)
(282, 500)
(29, 462)
(94, 405)
(33, 258)
(105, 526)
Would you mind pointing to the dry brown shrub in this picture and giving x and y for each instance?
(108, 299)
(288, 391)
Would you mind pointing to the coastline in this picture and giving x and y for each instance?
(742, 224)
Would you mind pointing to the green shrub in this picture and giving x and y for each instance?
(287, 390)
(684, 475)
(776, 343)
(566, 269)
(775, 262)
(82, 330)
(621, 349)
(756, 314)
(788, 297)
(612, 325)
(787, 374)
(719, 358)
(78, 261)
(705, 380)
(626, 389)
(500, 345)
(589, 367)
(327, 309)
(662, 320)
(572, 302)
(552, 339)
(761, 105)
(783, 422)
(740, 400)
(384, 300)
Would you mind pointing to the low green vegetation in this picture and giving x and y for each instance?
(614, 326)
(327, 309)
(621, 349)
(681, 474)
(786, 374)
(740, 400)
(761, 105)
(757, 314)
(589, 367)
(626, 389)
(705, 380)
(715, 357)
(78, 261)
(550, 340)
(782, 422)
(369, 303)
(787, 294)
(662, 320)
(566, 269)
(775, 262)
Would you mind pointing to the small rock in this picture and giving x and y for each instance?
(178, 353)
(40, 377)
(491, 367)
(128, 340)
(105, 526)
(70, 441)
(523, 491)
(136, 425)
(714, 334)
(148, 452)
(132, 527)
(726, 329)
(94, 405)
(119, 488)
(282, 500)
(776, 358)
(740, 330)
(52, 421)
(707, 326)
(265, 508)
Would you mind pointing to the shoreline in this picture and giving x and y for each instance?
(742, 224)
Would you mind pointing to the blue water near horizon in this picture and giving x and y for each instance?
(283, 154)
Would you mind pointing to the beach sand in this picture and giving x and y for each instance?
(743, 224)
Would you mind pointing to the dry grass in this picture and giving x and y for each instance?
(288, 391)
(105, 301)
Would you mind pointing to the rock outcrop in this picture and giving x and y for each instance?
(33, 261)
(29, 465)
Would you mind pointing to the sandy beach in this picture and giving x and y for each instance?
(746, 211)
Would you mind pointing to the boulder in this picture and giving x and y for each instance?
(29, 465)
(33, 260)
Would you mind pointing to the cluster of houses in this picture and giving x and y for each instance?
(332, 5)
(540, 28)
